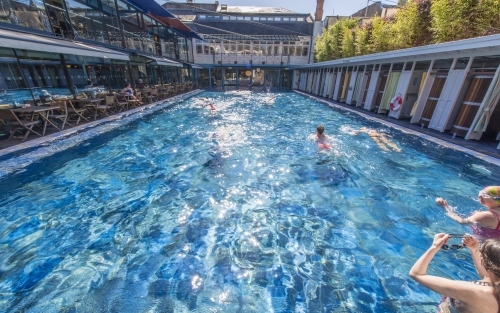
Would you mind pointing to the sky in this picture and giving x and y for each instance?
(330, 7)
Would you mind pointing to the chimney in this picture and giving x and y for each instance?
(319, 10)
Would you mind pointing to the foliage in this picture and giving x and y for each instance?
(380, 39)
(417, 22)
(361, 41)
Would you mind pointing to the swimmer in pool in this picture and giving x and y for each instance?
(380, 139)
(320, 138)
(212, 108)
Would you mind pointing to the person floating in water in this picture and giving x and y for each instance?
(483, 224)
(380, 139)
(320, 138)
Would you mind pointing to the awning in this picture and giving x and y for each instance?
(18, 40)
(162, 61)
(252, 37)
(156, 11)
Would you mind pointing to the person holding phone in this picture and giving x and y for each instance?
(464, 296)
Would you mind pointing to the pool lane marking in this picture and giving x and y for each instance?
(73, 136)
(441, 142)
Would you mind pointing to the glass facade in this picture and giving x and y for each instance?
(25, 74)
(109, 22)
(256, 47)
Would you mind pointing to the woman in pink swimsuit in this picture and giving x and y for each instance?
(484, 224)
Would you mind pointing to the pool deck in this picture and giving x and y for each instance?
(484, 149)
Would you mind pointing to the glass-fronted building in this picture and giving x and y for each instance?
(246, 45)
(60, 46)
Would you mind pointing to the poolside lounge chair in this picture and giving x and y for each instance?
(12, 121)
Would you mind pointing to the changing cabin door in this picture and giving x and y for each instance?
(447, 99)
(338, 81)
(325, 84)
(350, 87)
(404, 81)
(371, 90)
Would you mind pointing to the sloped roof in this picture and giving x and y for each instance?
(252, 28)
(254, 9)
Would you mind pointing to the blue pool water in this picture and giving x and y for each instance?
(187, 211)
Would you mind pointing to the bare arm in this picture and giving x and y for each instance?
(451, 213)
(473, 245)
(459, 290)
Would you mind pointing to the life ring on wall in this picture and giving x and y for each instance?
(396, 103)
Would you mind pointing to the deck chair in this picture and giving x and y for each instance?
(111, 102)
(12, 121)
(60, 114)
(77, 113)
(102, 109)
(152, 96)
(121, 102)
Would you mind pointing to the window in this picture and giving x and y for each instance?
(233, 18)
(202, 17)
(247, 18)
(293, 19)
(277, 18)
(300, 19)
(239, 18)
(255, 18)
(305, 51)
(298, 51)
(225, 18)
(206, 49)
(286, 19)
(199, 49)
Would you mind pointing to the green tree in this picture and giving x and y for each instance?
(454, 19)
(411, 25)
(381, 37)
(361, 41)
(488, 17)
(347, 42)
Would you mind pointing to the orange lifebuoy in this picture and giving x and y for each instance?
(396, 103)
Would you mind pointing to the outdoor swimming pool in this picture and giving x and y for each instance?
(187, 211)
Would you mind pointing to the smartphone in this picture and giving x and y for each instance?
(457, 235)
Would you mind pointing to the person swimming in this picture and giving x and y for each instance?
(483, 224)
(320, 138)
(380, 139)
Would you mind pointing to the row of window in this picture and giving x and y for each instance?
(252, 18)
(256, 48)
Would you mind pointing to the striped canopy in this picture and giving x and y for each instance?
(156, 11)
